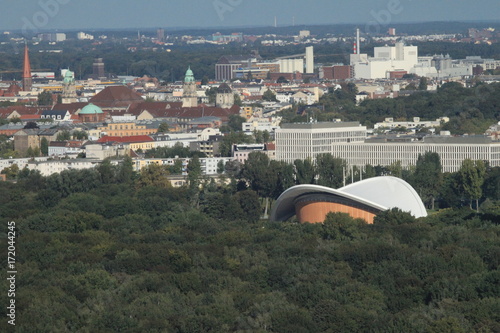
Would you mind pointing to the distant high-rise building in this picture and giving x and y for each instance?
(52, 37)
(392, 31)
(160, 34)
(26, 80)
(98, 68)
(310, 59)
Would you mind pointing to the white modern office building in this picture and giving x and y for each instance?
(452, 150)
(386, 59)
(306, 140)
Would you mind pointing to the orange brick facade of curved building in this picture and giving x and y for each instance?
(316, 211)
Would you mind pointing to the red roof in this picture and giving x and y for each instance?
(30, 116)
(22, 110)
(270, 146)
(126, 139)
(71, 107)
(116, 96)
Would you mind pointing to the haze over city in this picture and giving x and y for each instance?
(118, 14)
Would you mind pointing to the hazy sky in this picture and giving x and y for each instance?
(90, 14)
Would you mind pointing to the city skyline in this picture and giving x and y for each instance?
(373, 15)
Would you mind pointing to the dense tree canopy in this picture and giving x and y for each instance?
(108, 250)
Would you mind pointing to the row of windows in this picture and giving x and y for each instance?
(451, 156)
(122, 127)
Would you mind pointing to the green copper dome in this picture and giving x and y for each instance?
(69, 77)
(91, 109)
(189, 75)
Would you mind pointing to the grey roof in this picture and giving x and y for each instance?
(320, 125)
(204, 120)
(479, 139)
(224, 89)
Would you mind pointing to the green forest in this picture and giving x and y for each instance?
(109, 250)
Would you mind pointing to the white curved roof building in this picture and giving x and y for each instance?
(363, 199)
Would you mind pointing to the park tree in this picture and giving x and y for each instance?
(194, 173)
(237, 100)
(341, 226)
(226, 145)
(472, 175)
(107, 171)
(163, 128)
(330, 170)
(491, 186)
(45, 98)
(235, 122)
(33, 152)
(422, 85)
(44, 146)
(269, 96)
(211, 93)
(79, 135)
(305, 171)
(153, 175)
(125, 173)
(428, 177)
(257, 173)
(369, 171)
(31, 125)
(284, 176)
(63, 136)
(396, 169)
(281, 79)
(11, 172)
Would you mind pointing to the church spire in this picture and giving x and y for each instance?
(27, 81)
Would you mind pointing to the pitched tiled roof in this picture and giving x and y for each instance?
(71, 107)
(116, 96)
(30, 116)
(22, 110)
(152, 107)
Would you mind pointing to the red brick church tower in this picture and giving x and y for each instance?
(27, 81)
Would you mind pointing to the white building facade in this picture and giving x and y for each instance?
(306, 140)
(452, 151)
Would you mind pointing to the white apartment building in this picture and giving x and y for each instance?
(306, 140)
(452, 151)
(389, 123)
(82, 36)
(47, 168)
(209, 165)
(269, 124)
